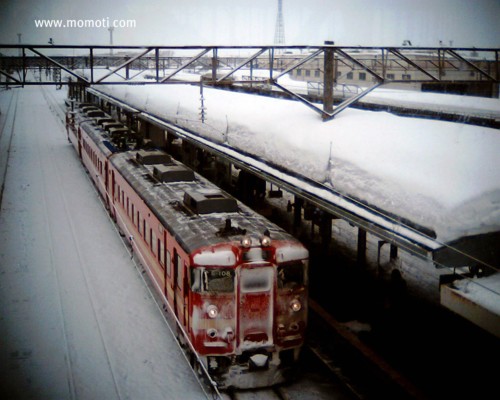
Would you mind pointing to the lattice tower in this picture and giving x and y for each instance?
(279, 30)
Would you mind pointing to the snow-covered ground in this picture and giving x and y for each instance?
(441, 175)
(76, 319)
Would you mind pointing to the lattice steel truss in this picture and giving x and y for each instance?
(219, 65)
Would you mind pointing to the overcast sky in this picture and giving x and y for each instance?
(466, 23)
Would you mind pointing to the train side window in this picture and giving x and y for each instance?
(152, 241)
(139, 222)
(145, 230)
(133, 214)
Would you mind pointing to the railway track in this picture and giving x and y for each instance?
(8, 120)
(58, 108)
(170, 321)
(64, 274)
(362, 370)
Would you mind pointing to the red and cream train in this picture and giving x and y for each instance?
(236, 283)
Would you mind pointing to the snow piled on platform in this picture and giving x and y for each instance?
(441, 175)
(480, 290)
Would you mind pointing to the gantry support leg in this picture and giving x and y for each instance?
(361, 255)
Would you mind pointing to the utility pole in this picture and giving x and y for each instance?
(328, 77)
(110, 29)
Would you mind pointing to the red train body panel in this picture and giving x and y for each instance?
(236, 283)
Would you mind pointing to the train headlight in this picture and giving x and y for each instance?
(295, 305)
(212, 311)
(246, 242)
(265, 241)
(212, 333)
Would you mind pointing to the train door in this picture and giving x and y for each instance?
(181, 289)
(256, 299)
(175, 279)
(106, 181)
(166, 264)
(113, 186)
(79, 140)
(185, 295)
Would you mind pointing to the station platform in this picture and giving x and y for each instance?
(76, 318)
(476, 300)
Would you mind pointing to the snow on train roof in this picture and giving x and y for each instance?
(192, 230)
(441, 175)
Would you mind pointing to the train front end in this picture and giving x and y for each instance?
(249, 310)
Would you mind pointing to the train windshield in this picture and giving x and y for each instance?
(212, 280)
(291, 275)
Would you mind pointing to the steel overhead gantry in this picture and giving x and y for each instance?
(99, 65)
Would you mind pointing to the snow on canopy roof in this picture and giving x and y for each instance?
(441, 175)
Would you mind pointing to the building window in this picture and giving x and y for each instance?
(349, 75)
(406, 77)
(391, 76)
(362, 76)
(308, 72)
(317, 73)
(299, 72)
